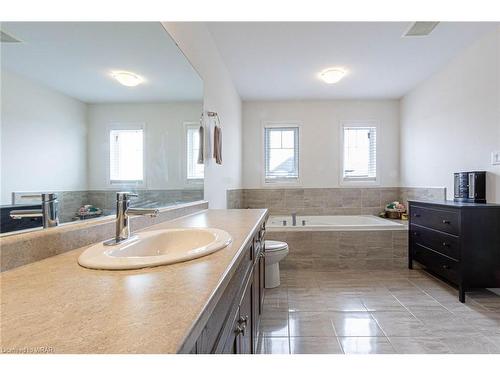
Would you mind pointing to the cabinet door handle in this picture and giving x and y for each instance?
(446, 244)
(239, 330)
(415, 234)
(446, 267)
(416, 215)
(243, 321)
(446, 222)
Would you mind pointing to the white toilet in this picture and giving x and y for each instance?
(274, 251)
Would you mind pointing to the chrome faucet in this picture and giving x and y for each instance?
(123, 211)
(48, 212)
(294, 219)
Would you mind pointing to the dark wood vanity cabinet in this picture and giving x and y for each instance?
(459, 242)
(233, 326)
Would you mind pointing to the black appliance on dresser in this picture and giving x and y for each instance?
(459, 242)
(470, 187)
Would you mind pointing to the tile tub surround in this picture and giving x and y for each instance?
(57, 304)
(31, 246)
(376, 312)
(344, 250)
(328, 201)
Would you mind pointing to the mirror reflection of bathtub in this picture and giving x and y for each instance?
(70, 127)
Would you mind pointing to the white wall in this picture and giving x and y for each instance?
(451, 121)
(320, 137)
(43, 138)
(220, 95)
(165, 146)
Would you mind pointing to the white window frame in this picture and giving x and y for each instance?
(190, 181)
(126, 126)
(359, 181)
(280, 182)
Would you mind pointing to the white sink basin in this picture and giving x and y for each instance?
(156, 248)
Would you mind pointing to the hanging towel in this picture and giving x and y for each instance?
(218, 145)
(201, 149)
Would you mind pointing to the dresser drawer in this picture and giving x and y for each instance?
(445, 221)
(443, 243)
(439, 264)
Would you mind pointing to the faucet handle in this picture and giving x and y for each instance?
(48, 197)
(125, 195)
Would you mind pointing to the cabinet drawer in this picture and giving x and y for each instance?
(445, 221)
(443, 243)
(441, 265)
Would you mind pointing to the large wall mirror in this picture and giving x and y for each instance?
(89, 109)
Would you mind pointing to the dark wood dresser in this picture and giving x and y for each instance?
(459, 242)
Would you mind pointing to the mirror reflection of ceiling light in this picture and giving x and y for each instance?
(332, 75)
(128, 79)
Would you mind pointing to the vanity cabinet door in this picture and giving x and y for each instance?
(262, 281)
(256, 304)
(246, 319)
(233, 344)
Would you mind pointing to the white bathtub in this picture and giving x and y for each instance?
(333, 223)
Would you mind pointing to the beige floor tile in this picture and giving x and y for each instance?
(366, 345)
(274, 323)
(274, 345)
(314, 324)
(343, 303)
(355, 324)
(471, 345)
(382, 303)
(417, 313)
(399, 323)
(419, 345)
(315, 345)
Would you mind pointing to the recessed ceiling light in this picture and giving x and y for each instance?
(332, 75)
(127, 78)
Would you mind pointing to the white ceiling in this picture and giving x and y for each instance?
(280, 60)
(76, 58)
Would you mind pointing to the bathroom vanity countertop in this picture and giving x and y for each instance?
(58, 306)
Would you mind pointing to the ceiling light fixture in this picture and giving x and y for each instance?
(128, 79)
(332, 75)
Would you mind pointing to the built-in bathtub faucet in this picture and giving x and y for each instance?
(48, 212)
(294, 219)
(123, 211)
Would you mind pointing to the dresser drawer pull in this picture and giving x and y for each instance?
(416, 215)
(446, 267)
(415, 234)
(446, 244)
(446, 222)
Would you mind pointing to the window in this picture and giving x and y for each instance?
(360, 153)
(126, 155)
(281, 149)
(195, 171)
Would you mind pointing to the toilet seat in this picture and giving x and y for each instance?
(274, 246)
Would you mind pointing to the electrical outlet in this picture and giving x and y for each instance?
(495, 158)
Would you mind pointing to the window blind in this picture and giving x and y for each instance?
(195, 171)
(360, 152)
(281, 149)
(126, 155)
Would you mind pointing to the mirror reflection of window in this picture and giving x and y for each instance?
(126, 156)
(195, 170)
